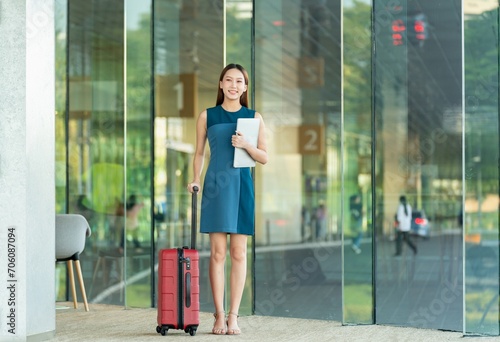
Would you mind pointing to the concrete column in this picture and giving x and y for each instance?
(27, 187)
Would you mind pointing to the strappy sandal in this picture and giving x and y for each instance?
(218, 330)
(233, 331)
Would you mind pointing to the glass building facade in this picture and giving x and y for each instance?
(364, 101)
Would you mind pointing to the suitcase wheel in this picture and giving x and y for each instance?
(162, 330)
(191, 330)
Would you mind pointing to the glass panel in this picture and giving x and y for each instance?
(138, 225)
(238, 38)
(60, 12)
(480, 219)
(358, 260)
(298, 91)
(418, 113)
(96, 140)
(188, 54)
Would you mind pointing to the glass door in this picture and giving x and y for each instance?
(298, 241)
(106, 127)
(418, 163)
(188, 56)
(480, 211)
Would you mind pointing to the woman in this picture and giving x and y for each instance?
(227, 205)
(403, 220)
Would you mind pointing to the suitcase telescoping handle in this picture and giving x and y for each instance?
(194, 213)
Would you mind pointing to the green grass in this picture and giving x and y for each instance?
(358, 303)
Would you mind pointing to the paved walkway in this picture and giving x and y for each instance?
(114, 323)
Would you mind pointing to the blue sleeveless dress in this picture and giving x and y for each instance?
(227, 203)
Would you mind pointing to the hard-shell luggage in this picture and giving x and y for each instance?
(178, 285)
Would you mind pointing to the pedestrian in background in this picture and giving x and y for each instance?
(356, 210)
(403, 221)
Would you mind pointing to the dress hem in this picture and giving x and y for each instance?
(251, 234)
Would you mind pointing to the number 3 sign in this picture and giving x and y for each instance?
(311, 139)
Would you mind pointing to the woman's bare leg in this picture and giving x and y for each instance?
(238, 252)
(218, 248)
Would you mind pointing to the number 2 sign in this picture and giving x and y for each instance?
(311, 139)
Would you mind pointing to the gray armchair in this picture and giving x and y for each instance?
(71, 232)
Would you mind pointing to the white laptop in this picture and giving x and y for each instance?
(250, 129)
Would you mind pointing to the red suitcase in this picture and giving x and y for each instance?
(178, 285)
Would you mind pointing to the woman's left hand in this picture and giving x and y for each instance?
(238, 140)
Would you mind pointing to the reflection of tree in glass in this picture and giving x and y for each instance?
(357, 63)
(481, 36)
(139, 68)
(238, 39)
(481, 58)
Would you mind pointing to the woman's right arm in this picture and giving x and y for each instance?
(199, 153)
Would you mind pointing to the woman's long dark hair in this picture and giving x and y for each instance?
(220, 94)
(402, 199)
